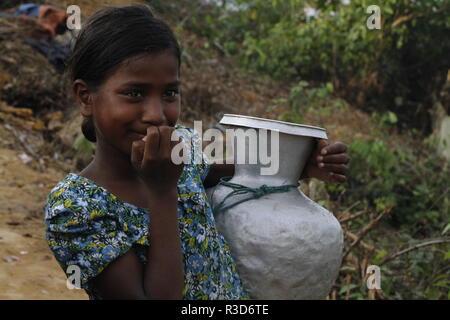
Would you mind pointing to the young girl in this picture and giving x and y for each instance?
(136, 225)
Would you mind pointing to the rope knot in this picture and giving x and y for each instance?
(261, 191)
(256, 193)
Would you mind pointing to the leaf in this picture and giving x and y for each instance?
(380, 255)
(347, 287)
(329, 87)
(443, 284)
(440, 277)
(447, 255)
(392, 117)
(446, 229)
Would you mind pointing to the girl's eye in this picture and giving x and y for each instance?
(171, 93)
(133, 93)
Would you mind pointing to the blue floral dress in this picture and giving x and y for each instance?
(89, 227)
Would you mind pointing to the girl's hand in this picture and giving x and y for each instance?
(151, 158)
(328, 162)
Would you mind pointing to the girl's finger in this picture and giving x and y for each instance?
(337, 147)
(336, 158)
(338, 178)
(321, 144)
(165, 142)
(152, 142)
(137, 152)
(177, 138)
(335, 168)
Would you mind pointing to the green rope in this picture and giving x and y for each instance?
(256, 193)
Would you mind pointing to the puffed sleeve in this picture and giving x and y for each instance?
(85, 233)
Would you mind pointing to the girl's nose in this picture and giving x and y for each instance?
(153, 112)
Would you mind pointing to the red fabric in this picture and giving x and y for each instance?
(52, 20)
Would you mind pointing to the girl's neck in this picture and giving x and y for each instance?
(111, 166)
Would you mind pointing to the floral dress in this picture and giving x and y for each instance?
(89, 227)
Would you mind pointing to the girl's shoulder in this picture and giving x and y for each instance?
(72, 185)
(78, 194)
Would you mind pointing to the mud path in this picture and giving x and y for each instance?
(28, 269)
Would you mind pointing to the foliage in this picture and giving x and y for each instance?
(420, 274)
(415, 183)
(411, 180)
(85, 150)
(332, 59)
(304, 99)
(403, 178)
(396, 68)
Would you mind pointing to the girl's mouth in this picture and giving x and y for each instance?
(137, 135)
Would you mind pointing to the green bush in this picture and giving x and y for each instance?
(416, 184)
(397, 68)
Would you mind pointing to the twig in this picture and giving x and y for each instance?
(409, 17)
(193, 12)
(415, 247)
(356, 215)
(366, 230)
(348, 280)
(354, 237)
(9, 24)
(24, 145)
(353, 205)
(439, 198)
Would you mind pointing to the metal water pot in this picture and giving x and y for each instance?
(285, 245)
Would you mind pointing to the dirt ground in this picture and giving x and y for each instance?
(28, 269)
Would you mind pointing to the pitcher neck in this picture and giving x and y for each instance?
(284, 165)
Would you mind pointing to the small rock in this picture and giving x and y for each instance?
(44, 291)
(23, 252)
(39, 125)
(25, 158)
(10, 259)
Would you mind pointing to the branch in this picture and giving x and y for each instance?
(366, 230)
(411, 16)
(355, 237)
(356, 215)
(417, 246)
(193, 13)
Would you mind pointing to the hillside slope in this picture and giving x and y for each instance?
(36, 151)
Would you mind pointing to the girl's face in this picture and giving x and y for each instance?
(143, 92)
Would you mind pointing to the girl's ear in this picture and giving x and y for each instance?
(83, 96)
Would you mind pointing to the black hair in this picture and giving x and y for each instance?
(110, 36)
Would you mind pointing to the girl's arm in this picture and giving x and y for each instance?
(163, 276)
(216, 172)
(328, 162)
